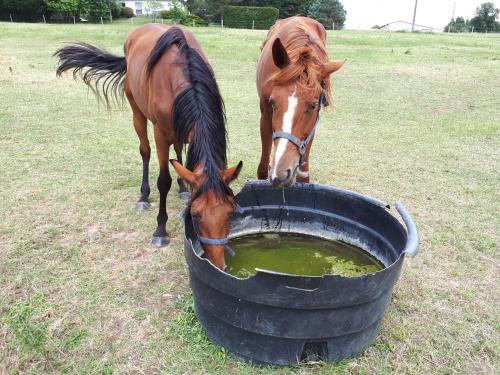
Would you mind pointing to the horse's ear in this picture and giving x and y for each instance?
(183, 172)
(280, 56)
(331, 67)
(232, 173)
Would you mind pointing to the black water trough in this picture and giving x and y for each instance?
(284, 319)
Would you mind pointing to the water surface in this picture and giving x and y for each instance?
(298, 255)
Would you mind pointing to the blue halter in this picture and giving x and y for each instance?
(213, 241)
(302, 145)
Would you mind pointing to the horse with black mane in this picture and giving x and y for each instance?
(167, 79)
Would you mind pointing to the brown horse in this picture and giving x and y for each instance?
(293, 82)
(167, 79)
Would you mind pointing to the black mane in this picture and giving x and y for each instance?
(200, 108)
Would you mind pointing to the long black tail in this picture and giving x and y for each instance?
(95, 67)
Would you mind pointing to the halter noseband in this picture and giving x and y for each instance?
(222, 241)
(302, 145)
(212, 241)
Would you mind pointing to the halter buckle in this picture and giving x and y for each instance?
(302, 148)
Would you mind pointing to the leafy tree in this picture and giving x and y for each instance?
(154, 6)
(90, 9)
(214, 8)
(175, 13)
(328, 12)
(97, 9)
(458, 25)
(289, 8)
(196, 6)
(485, 18)
(22, 6)
(73, 7)
(116, 9)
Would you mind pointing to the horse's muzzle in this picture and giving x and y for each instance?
(283, 178)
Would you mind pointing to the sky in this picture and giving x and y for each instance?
(363, 14)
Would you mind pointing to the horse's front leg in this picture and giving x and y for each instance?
(183, 191)
(303, 170)
(266, 133)
(160, 236)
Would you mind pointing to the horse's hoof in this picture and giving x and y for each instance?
(142, 206)
(185, 196)
(160, 241)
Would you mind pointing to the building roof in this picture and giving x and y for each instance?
(408, 23)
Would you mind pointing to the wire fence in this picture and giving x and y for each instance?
(58, 18)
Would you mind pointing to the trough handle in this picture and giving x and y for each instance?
(412, 241)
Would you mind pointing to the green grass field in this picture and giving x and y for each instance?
(416, 118)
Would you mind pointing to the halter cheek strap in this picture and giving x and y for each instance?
(302, 145)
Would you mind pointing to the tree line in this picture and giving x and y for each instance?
(328, 12)
(59, 10)
(484, 21)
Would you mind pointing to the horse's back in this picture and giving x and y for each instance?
(142, 40)
(154, 94)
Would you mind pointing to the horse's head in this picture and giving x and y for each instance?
(295, 100)
(210, 207)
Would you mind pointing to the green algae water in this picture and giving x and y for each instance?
(298, 255)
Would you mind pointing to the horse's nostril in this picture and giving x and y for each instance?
(288, 173)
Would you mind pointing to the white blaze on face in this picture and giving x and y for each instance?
(287, 128)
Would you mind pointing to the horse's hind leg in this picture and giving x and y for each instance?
(183, 191)
(140, 125)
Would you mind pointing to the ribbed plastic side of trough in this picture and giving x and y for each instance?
(284, 319)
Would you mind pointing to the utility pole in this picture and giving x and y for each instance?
(414, 15)
(452, 16)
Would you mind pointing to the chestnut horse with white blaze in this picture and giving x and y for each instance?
(293, 82)
(167, 79)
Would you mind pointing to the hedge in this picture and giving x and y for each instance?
(241, 17)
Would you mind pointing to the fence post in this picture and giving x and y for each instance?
(110, 15)
(253, 24)
(222, 22)
(44, 21)
(102, 22)
(10, 15)
(74, 20)
(333, 25)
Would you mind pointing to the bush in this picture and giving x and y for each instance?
(241, 17)
(183, 18)
(176, 13)
(192, 20)
(127, 12)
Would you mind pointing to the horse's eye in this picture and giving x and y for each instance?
(311, 107)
